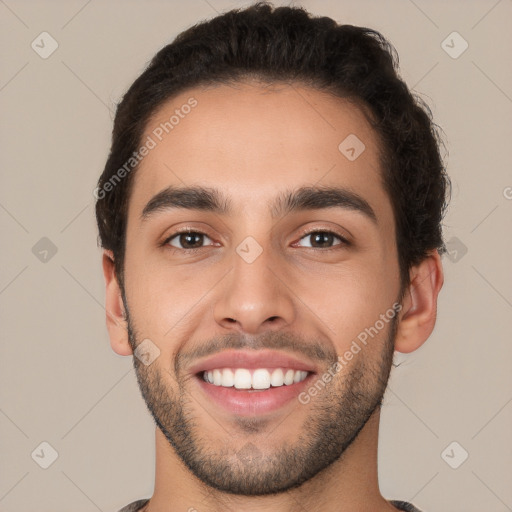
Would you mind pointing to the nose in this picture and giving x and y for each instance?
(254, 297)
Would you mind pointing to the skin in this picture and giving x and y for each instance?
(253, 142)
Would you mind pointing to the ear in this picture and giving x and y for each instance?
(116, 320)
(418, 315)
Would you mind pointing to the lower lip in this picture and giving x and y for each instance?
(253, 402)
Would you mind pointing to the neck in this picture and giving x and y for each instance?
(349, 484)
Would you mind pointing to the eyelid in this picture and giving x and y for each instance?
(310, 231)
(186, 229)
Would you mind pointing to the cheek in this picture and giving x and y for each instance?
(349, 299)
(165, 300)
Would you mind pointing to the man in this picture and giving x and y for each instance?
(270, 214)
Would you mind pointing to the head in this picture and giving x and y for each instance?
(291, 139)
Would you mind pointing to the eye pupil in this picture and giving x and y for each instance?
(322, 239)
(186, 239)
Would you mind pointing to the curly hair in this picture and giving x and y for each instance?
(288, 44)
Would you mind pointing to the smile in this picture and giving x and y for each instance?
(252, 382)
(256, 379)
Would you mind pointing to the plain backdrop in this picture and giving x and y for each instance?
(61, 384)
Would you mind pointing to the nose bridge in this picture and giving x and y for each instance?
(254, 298)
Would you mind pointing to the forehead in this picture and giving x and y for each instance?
(253, 140)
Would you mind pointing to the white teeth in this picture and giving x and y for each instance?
(217, 377)
(288, 378)
(299, 376)
(228, 378)
(242, 379)
(260, 378)
(277, 377)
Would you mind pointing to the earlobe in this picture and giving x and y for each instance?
(116, 318)
(418, 316)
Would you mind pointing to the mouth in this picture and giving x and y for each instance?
(253, 379)
(249, 384)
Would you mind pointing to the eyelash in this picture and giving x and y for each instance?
(343, 241)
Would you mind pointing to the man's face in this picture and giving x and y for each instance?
(294, 286)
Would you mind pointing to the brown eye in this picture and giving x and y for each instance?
(322, 239)
(188, 240)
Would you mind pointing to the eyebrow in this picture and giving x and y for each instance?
(209, 199)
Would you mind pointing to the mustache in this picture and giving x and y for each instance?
(293, 343)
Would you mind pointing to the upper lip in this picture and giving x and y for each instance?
(252, 360)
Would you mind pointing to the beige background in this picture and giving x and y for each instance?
(60, 381)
